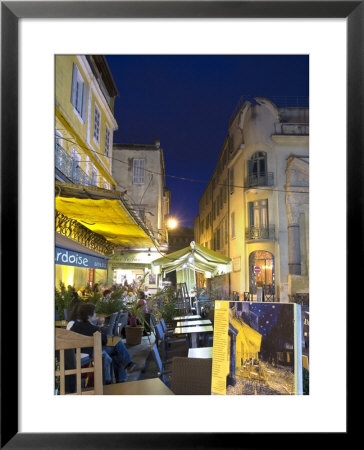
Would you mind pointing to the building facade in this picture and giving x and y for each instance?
(139, 172)
(84, 126)
(255, 206)
(84, 120)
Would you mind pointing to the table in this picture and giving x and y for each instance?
(188, 317)
(200, 352)
(152, 386)
(193, 323)
(193, 332)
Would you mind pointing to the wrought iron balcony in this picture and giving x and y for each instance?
(261, 179)
(256, 233)
(70, 167)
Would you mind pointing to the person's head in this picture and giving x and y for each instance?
(86, 311)
(75, 298)
(107, 293)
(141, 294)
(74, 312)
(146, 288)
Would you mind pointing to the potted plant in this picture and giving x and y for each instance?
(63, 300)
(163, 304)
(134, 331)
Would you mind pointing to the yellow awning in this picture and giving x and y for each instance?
(107, 217)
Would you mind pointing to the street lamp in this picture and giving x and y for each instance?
(172, 223)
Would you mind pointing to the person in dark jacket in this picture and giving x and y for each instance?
(118, 355)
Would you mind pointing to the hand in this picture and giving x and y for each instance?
(101, 321)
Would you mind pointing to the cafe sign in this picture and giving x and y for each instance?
(135, 258)
(67, 257)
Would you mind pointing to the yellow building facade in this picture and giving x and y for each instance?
(84, 120)
(85, 93)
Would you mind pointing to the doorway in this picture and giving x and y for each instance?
(261, 271)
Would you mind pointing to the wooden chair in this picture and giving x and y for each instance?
(66, 340)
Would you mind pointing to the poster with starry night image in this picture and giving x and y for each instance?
(257, 349)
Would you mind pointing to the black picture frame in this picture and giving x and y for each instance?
(11, 12)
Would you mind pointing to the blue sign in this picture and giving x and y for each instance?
(68, 257)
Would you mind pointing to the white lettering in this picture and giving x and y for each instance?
(85, 262)
(72, 259)
(65, 255)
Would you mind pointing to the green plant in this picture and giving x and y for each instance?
(94, 297)
(137, 314)
(163, 304)
(109, 306)
(63, 298)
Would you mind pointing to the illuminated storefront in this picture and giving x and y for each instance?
(77, 265)
(131, 265)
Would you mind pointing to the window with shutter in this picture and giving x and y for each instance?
(97, 116)
(231, 180)
(107, 141)
(138, 171)
(233, 224)
(79, 93)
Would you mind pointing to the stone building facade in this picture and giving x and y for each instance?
(255, 206)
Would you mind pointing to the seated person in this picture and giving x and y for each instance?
(118, 354)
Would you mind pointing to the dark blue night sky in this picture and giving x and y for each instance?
(187, 101)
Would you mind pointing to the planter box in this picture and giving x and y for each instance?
(134, 334)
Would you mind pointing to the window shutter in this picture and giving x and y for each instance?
(231, 181)
(138, 171)
(74, 85)
(84, 95)
(250, 166)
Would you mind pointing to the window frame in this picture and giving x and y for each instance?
(139, 178)
(78, 79)
(96, 110)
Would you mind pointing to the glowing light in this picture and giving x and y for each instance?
(172, 223)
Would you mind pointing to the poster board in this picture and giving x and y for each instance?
(257, 349)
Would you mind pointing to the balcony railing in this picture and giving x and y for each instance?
(262, 179)
(292, 129)
(254, 233)
(70, 168)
